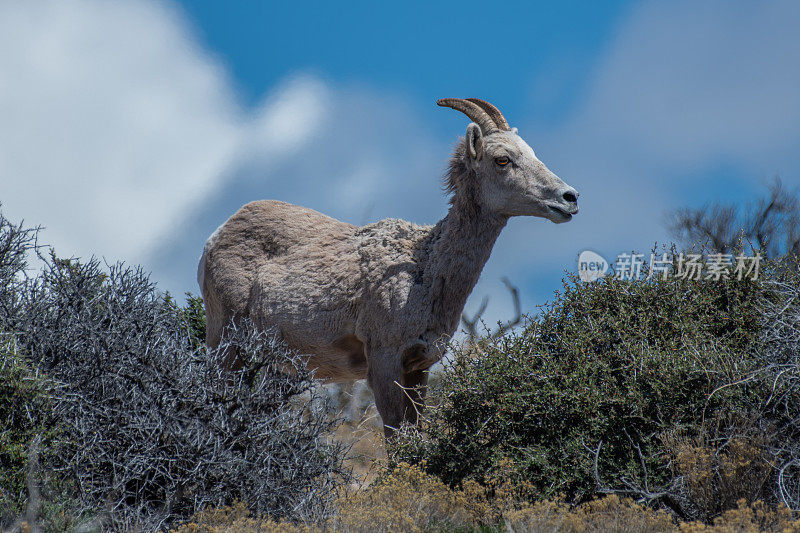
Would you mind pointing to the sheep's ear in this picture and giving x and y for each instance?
(474, 141)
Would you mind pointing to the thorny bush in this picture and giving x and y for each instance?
(151, 429)
(680, 393)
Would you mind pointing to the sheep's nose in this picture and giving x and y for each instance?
(571, 196)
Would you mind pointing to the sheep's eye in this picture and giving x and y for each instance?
(502, 161)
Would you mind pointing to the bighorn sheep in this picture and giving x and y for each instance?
(379, 301)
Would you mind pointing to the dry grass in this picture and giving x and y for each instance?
(604, 515)
(718, 476)
(366, 448)
(405, 499)
(754, 518)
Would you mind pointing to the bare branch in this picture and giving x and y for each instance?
(506, 326)
(769, 225)
(471, 324)
(154, 427)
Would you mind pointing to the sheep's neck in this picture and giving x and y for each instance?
(466, 237)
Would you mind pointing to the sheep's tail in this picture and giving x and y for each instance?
(201, 266)
(201, 271)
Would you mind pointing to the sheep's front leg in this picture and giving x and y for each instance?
(415, 384)
(399, 393)
(384, 376)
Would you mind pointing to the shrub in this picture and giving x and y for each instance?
(151, 429)
(406, 499)
(16, 243)
(193, 319)
(23, 407)
(755, 518)
(592, 394)
(236, 518)
(717, 477)
(403, 499)
(607, 514)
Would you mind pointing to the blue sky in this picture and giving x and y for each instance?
(420, 49)
(132, 128)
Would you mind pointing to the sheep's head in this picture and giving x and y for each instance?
(511, 179)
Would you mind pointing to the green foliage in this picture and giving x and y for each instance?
(593, 392)
(191, 318)
(193, 315)
(23, 407)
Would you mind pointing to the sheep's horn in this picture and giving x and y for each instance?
(473, 111)
(493, 112)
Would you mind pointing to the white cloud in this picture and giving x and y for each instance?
(112, 122)
(288, 117)
(115, 122)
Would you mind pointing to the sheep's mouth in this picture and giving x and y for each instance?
(560, 212)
